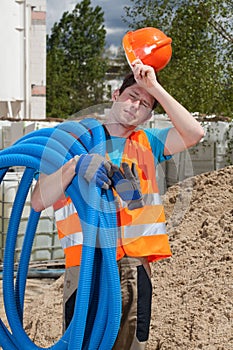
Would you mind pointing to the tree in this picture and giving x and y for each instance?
(75, 63)
(199, 74)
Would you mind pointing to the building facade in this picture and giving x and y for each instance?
(23, 59)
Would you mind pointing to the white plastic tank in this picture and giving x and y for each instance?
(46, 245)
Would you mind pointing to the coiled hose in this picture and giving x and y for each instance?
(97, 311)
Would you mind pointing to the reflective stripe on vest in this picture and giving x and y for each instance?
(72, 240)
(69, 230)
(65, 211)
(148, 230)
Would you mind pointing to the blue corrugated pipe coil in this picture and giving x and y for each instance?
(97, 313)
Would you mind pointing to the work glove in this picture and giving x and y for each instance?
(94, 168)
(127, 185)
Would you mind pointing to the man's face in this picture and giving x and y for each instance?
(133, 107)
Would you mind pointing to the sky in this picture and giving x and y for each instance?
(113, 12)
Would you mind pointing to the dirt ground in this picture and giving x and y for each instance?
(192, 290)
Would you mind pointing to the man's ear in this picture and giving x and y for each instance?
(115, 95)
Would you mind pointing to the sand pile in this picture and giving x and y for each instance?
(193, 290)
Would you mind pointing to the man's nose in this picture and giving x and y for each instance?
(136, 103)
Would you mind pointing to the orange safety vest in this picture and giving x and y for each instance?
(143, 230)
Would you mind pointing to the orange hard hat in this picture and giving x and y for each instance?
(150, 45)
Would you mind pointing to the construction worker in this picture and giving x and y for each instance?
(142, 221)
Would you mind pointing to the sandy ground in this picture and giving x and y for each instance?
(192, 291)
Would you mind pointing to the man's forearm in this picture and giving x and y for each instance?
(181, 118)
(187, 131)
(50, 188)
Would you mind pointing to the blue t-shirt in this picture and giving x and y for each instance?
(156, 137)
